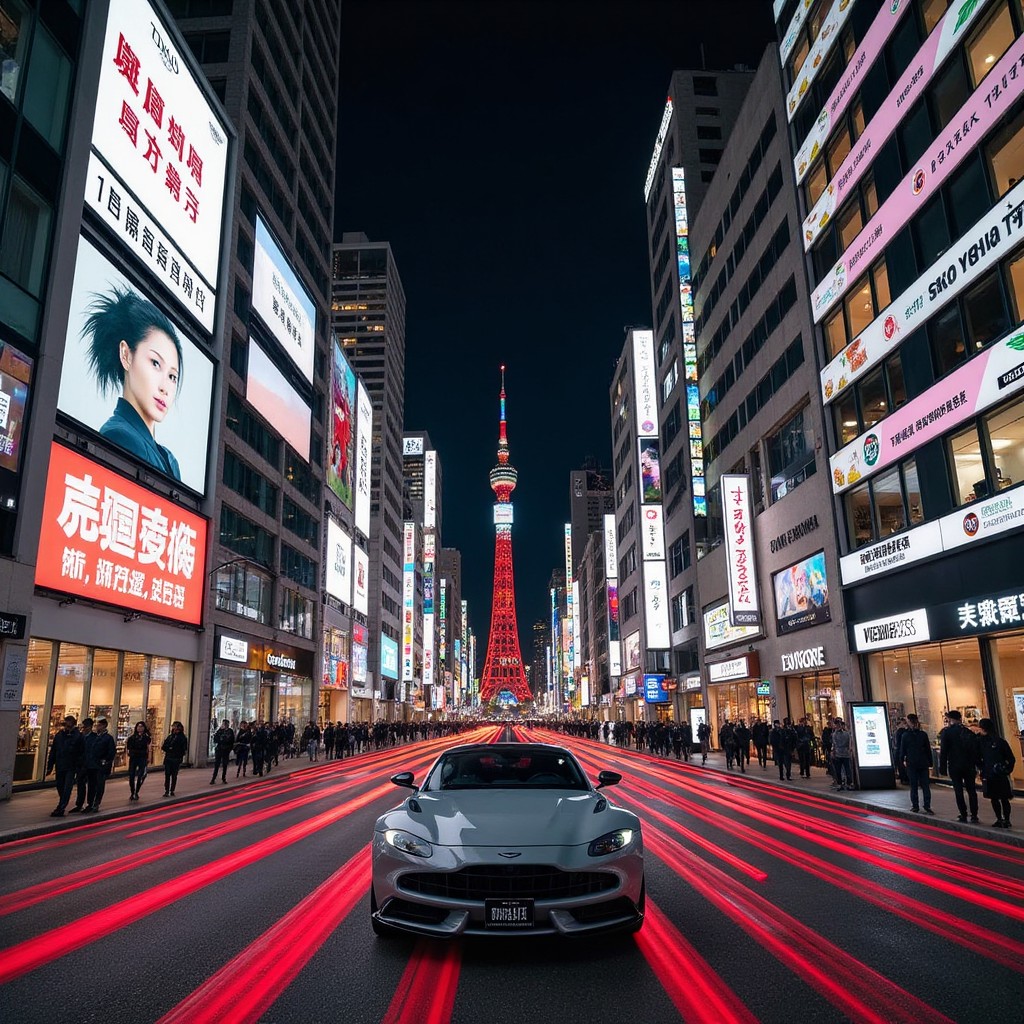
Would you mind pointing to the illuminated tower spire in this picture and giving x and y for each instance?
(503, 666)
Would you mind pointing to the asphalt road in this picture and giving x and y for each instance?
(251, 904)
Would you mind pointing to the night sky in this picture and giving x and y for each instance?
(501, 148)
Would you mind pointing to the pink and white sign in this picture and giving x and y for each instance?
(744, 605)
(988, 378)
(979, 249)
(975, 119)
(936, 48)
(827, 37)
(888, 17)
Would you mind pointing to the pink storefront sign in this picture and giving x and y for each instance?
(954, 25)
(984, 381)
(845, 92)
(975, 119)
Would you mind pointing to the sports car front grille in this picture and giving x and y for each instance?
(497, 881)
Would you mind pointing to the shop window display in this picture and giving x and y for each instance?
(134, 676)
(102, 684)
(295, 699)
(1009, 668)
(235, 696)
(33, 708)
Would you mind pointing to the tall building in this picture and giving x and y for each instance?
(907, 122)
(449, 627)
(276, 69)
(783, 652)
(696, 123)
(368, 315)
(591, 498)
(592, 654)
(503, 664)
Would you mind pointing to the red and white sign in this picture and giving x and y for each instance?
(738, 520)
(105, 538)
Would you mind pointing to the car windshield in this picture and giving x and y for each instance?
(492, 770)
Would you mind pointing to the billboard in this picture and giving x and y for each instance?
(388, 657)
(643, 380)
(364, 438)
(650, 471)
(654, 689)
(719, 632)
(430, 491)
(656, 605)
(132, 376)
(341, 449)
(408, 599)
(801, 594)
(284, 409)
(15, 378)
(360, 580)
(652, 534)
(282, 302)
(359, 648)
(738, 520)
(632, 658)
(159, 157)
(105, 538)
(338, 563)
(611, 554)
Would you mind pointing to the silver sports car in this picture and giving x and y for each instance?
(507, 839)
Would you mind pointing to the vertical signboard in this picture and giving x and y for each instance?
(340, 449)
(360, 580)
(408, 599)
(364, 439)
(645, 391)
(656, 606)
(430, 491)
(611, 574)
(429, 556)
(570, 667)
(338, 567)
(659, 145)
(744, 606)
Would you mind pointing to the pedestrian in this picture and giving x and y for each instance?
(997, 761)
(842, 756)
(258, 747)
(223, 744)
(727, 741)
(66, 751)
(916, 756)
(243, 739)
(742, 735)
(826, 748)
(174, 747)
(759, 734)
(704, 737)
(959, 754)
(81, 771)
(311, 740)
(100, 758)
(136, 748)
(783, 740)
(804, 746)
(329, 733)
(687, 731)
(901, 771)
(677, 741)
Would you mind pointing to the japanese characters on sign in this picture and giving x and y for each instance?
(338, 563)
(364, 436)
(107, 539)
(744, 603)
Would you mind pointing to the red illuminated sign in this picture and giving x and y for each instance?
(105, 538)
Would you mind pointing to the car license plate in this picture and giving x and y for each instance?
(508, 913)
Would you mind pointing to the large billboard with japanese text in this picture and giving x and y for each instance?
(158, 167)
(364, 439)
(133, 376)
(738, 520)
(270, 394)
(801, 594)
(282, 301)
(105, 538)
(338, 568)
(341, 448)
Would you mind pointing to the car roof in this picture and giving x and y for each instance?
(507, 748)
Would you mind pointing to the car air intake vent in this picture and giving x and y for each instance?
(486, 882)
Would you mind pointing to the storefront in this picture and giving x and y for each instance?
(334, 683)
(124, 687)
(811, 687)
(257, 680)
(736, 690)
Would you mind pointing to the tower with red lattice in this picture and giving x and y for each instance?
(503, 666)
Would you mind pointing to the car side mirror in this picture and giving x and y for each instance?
(608, 779)
(406, 779)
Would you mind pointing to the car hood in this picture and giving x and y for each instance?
(508, 818)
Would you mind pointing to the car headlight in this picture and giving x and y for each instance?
(611, 843)
(408, 843)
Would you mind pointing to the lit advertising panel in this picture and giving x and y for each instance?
(719, 631)
(652, 534)
(654, 689)
(412, 445)
(646, 394)
(159, 156)
(871, 735)
(15, 378)
(360, 580)
(267, 391)
(976, 252)
(502, 513)
(154, 402)
(364, 438)
(442, 626)
(577, 649)
(990, 377)
(611, 554)
(338, 568)
(282, 302)
(656, 605)
(341, 449)
(738, 520)
(693, 427)
(846, 89)
(632, 651)
(795, 24)
(430, 490)
(986, 108)
(650, 470)
(428, 649)
(388, 657)
(408, 599)
(801, 594)
(659, 144)
(828, 34)
(570, 666)
(105, 538)
(900, 101)
(359, 651)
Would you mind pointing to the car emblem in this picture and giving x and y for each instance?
(509, 853)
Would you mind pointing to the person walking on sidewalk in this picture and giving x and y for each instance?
(916, 756)
(842, 755)
(783, 739)
(742, 734)
(137, 748)
(175, 747)
(804, 746)
(81, 769)
(704, 736)
(997, 763)
(66, 752)
(100, 763)
(223, 744)
(242, 743)
(959, 754)
(759, 734)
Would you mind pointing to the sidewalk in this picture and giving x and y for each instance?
(28, 813)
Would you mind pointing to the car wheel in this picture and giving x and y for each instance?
(641, 906)
(380, 930)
